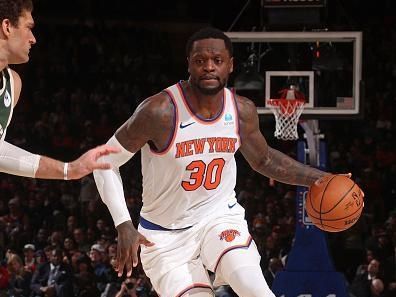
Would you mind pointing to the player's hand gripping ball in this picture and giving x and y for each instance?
(334, 203)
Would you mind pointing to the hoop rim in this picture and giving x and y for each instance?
(280, 101)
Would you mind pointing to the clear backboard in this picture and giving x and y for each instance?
(325, 67)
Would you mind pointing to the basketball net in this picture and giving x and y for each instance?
(287, 110)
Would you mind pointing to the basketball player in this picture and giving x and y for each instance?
(16, 39)
(191, 221)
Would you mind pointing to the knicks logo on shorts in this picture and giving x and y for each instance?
(229, 235)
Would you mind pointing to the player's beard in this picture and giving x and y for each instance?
(213, 90)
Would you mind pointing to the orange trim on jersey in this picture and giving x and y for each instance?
(239, 246)
(193, 286)
(201, 121)
(234, 104)
(175, 127)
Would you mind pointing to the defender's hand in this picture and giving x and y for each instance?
(88, 162)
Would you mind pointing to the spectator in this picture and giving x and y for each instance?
(19, 277)
(69, 246)
(128, 288)
(53, 279)
(79, 236)
(74, 260)
(377, 288)
(84, 264)
(40, 257)
(56, 239)
(361, 285)
(112, 251)
(71, 224)
(86, 286)
(29, 252)
(16, 217)
(41, 240)
(113, 286)
(102, 269)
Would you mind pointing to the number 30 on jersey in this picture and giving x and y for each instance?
(202, 174)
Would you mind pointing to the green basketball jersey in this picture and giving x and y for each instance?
(6, 101)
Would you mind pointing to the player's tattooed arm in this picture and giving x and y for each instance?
(285, 169)
(151, 122)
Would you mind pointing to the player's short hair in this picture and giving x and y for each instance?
(206, 33)
(12, 9)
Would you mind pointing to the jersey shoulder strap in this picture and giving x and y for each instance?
(6, 100)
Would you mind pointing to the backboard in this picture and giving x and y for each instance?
(325, 66)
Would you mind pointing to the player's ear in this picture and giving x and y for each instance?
(5, 27)
(231, 65)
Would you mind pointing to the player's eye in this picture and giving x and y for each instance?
(218, 61)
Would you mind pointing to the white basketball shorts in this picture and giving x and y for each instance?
(179, 260)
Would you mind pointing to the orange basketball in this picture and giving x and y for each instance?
(335, 204)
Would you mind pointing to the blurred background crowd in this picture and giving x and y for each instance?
(85, 78)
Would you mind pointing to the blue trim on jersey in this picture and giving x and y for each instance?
(151, 226)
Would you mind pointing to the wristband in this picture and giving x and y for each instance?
(65, 169)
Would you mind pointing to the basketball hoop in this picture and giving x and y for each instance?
(287, 111)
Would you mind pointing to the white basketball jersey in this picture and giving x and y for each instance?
(196, 173)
